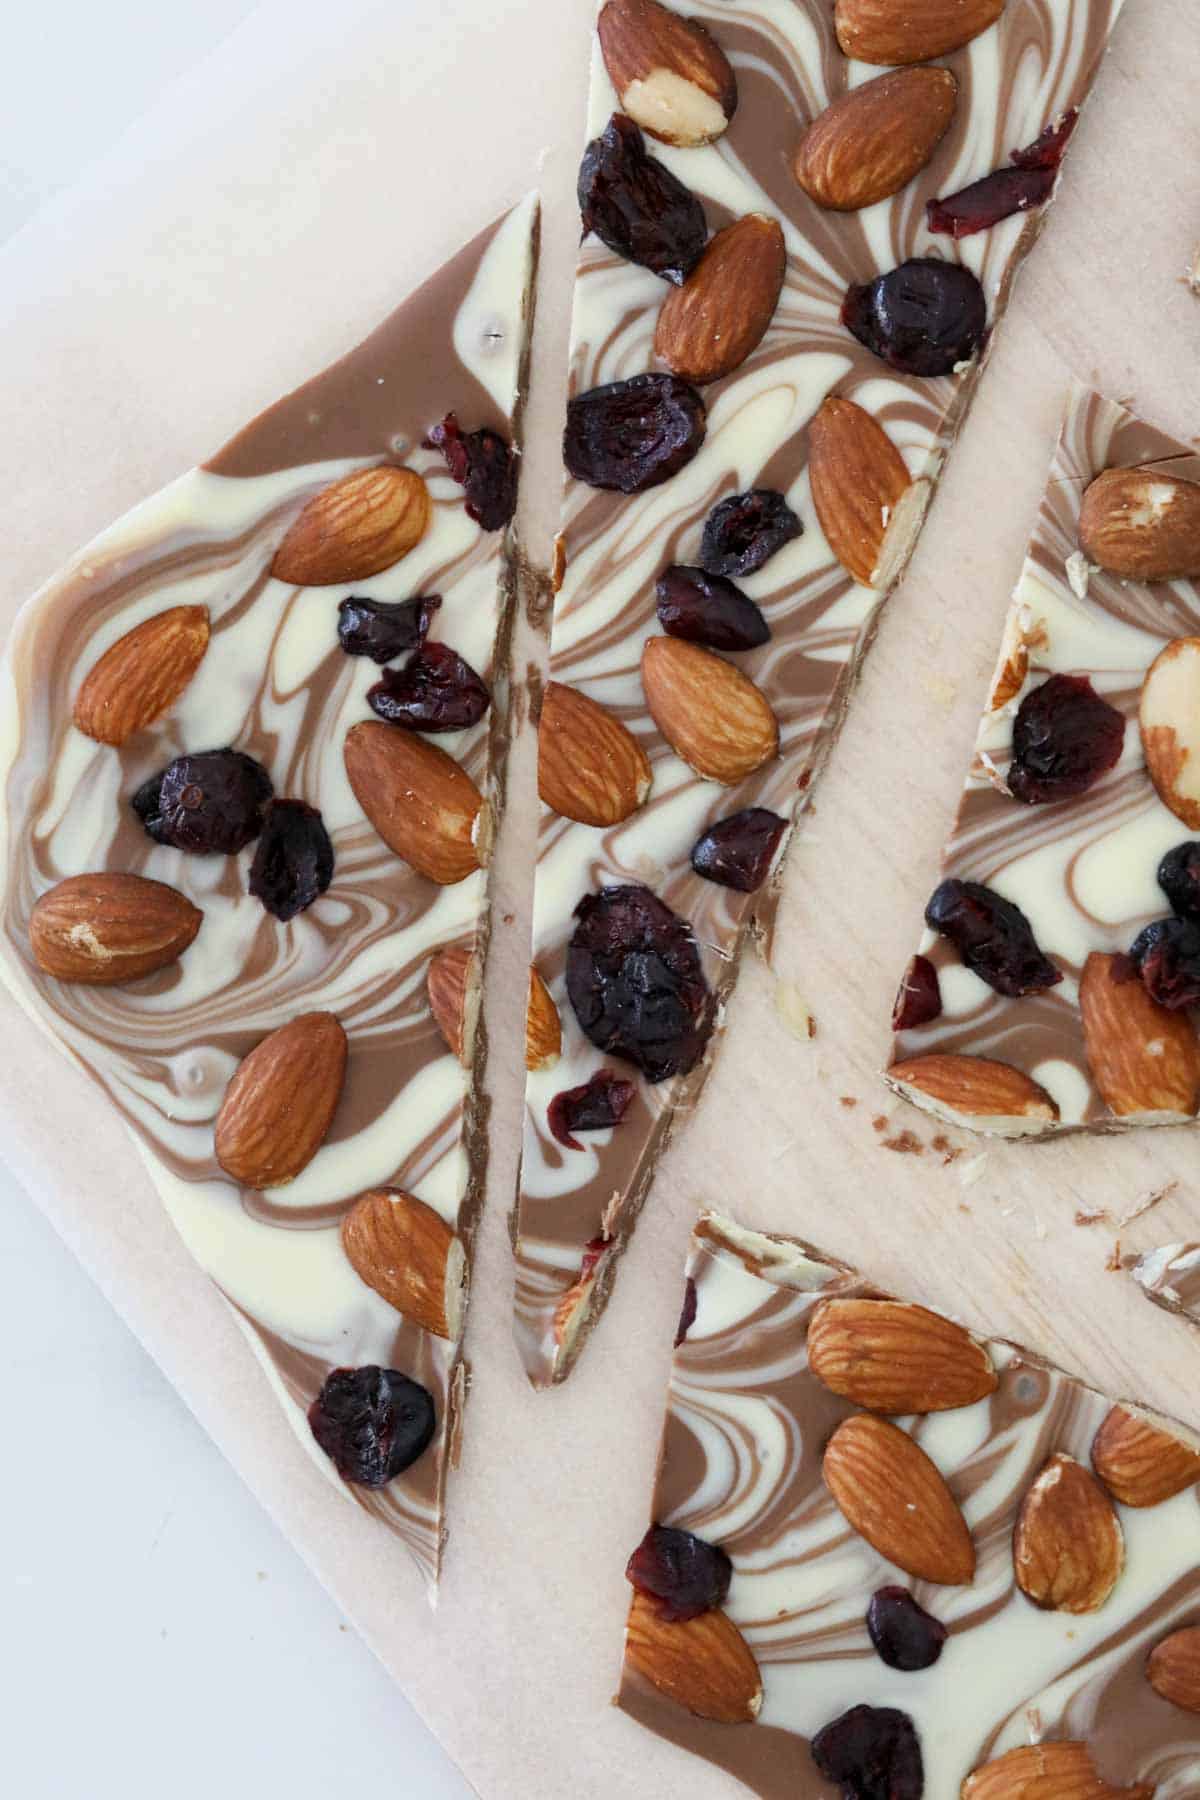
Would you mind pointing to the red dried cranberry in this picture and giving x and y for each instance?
(687, 1313)
(484, 466)
(905, 1636)
(707, 609)
(872, 1753)
(434, 691)
(686, 1575)
(1065, 737)
(743, 531)
(993, 937)
(382, 629)
(985, 202)
(635, 982)
(597, 1104)
(210, 803)
(636, 206)
(372, 1423)
(293, 859)
(923, 318)
(1179, 879)
(593, 1250)
(919, 999)
(1167, 957)
(631, 435)
(1046, 151)
(736, 852)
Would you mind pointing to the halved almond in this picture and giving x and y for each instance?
(890, 1492)
(407, 1252)
(543, 1027)
(1144, 1060)
(1142, 525)
(1068, 1546)
(1173, 1668)
(1061, 1770)
(859, 487)
(143, 674)
(280, 1104)
(355, 527)
(892, 1357)
(1169, 717)
(670, 74)
(424, 806)
(896, 31)
(591, 768)
(711, 714)
(1139, 1463)
(704, 1664)
(452, 984)
(109, 927)
(708, 327)
(870, 142)
(975, 1091)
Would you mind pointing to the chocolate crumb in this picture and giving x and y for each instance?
(847, 1100)
(1114, 1261)
(1091, 1216)
(879, 1123)
(907, 1143)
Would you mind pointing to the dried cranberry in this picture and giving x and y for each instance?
(293, 859)
(434, 691)
(631, 435)
(993, 937)
(636, 206)
(1065, 737)
(985, 202)
(485, 467)
(372, 1423)
(1167, 957)
(744, 531)
(707, 609)
(686, 1575)
(210, 803)
(1046, 151)
(905, 1636)
(919, 999)
(382, 629)
(598, 1103)
(593, 1250)
(923, 318)
(736, 852)
(1179, 879)
(872, 1753)
(635, 982)
(687, 1312)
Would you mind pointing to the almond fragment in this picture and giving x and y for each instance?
(1021, 635)
(895, 1497)
(711, 714)
(871, 141)
(710, 325)
(670, 74)
(408, 1253)
(705, 1664)
(1173, 1668)
(143, 674)
(1144, 1060)
(280, 1104)
(859, 484)
(1169, 716)
(1056, 1771)
(107, 928)
(1068, 1546)
(1139, 1463)
(896, 1358)
(591, 768)
(976, 1091)
(897, 32)
(543, 1027)
(452, 984)
(423, 805)
(356, 527)
(1142, 525)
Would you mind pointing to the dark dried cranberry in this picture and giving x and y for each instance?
(434, 691)
(485, 467)
(635, 982)
(293, 859)
(382, 629)
(600, 1102)
(1179, 879)
(1167, 957)
(985, 202)
(636, 206)
(686, 1575)
(707, 609)
(208, 803)
(872, 1753)
(687, 1312)
(919, 999)
(631, 435)
(372, 1423)
(1065, 737)
(923, 318)
(1046, 151)
(993, 937)
(743, 531)
(736, 852)
(905, 1636)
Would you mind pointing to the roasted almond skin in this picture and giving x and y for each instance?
(710, 325)
(977, 1087)
(591, 768)
(280, 1104)
(356, 527)
(896, 1498)
(108, 928)
(423, 805)
(859, 481)
(142, 675)
(452, 984)
(1169, 720)
(896, 1358)
(1068, 1546)
(1062, 1770)
(893, 32)
(1139, 1463)
(704, 1664)
(671, 75)
(1144, 1059)
(1173, 1668)
(408, 1253)
(1141, 525)
(543, 1027)
(711, 714)
(870, 142)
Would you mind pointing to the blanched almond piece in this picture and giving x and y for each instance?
(424, 806)
(1060, 1770)
(705, 1664)
(142, 675)
(543, 1027)
(1142, 525)
(670, 74)
(280, 1104)
(107, 928)
(356, 527)
(897, 31)
(591, 768)
(452, 984)
(1173, 1668)
(1144, 1060)
(976, 1091)
(1139, 1463)
(892, 1357)
(1068, 1546)
(708, 327)
(1169, 717)
(896, 1498)
(859, 487)
(711, 714)
(408, 1253)
(870, 142)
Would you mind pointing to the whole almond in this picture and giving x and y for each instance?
(859, 484)
(408, 1253)
(280, 1104)
(143, 674)
(108, 928)
(976, 1090)
(896, 1358)
(543, 1027)
(1142, 525)
(1068, 1546)
(871, 141)
(1061, 1770)
(1144, 1060)
(1169, 717)
(704, 1663)
(356, 527)
(591, 768)
(710, 325)
(1173, 1668)
(1139, 1463)
(670, 74)
(423, 805)
(711, 714)
(452, 984)
(896, 1498)
(895, 31)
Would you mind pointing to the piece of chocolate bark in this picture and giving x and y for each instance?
(1052, 989)
(774, 343)
(1170, 1276)
(888, 1558)
(252, 755)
